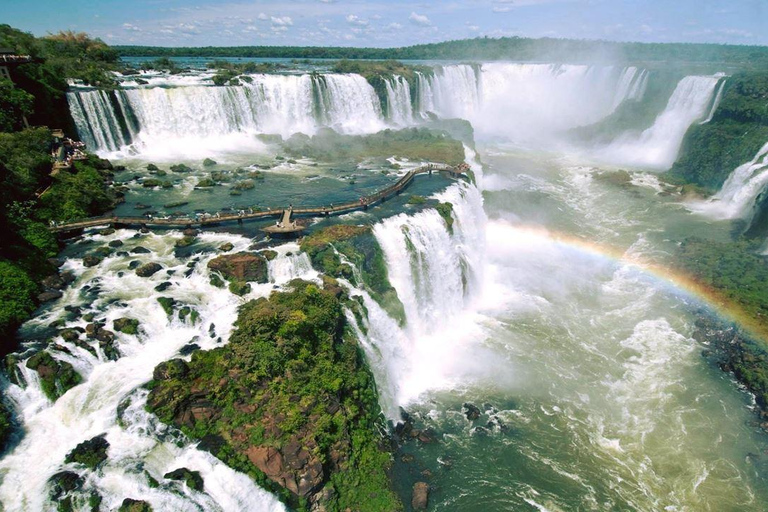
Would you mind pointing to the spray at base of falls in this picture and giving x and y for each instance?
(736, 198)
(438, 277)
(110, 399)
(283, 104)
(658, 146)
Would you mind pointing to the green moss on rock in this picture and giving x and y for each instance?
(289, 401)
(126, 325)
(91, 453)
(56, 377)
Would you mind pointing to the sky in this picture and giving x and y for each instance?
(388, 23)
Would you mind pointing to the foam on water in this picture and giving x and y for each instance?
(736, 198)
(137, 440)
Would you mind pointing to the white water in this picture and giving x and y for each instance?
(658, 146)
(438, 278)
(400, 107)
(90, 409)
(528, 101)
(185, 116)
(737, 196)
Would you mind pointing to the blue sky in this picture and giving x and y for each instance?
(390, 22)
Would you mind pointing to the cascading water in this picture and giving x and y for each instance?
(737, 196)
(110, 399)
(657, 147)
(399, 105)
(525, 101)
(283, 104)
(96, 119)
(437, 275)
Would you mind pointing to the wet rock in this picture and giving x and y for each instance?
(191, 478)
(107, 232)
(49, 296)
(172, 369)
(190, 232)
(70, 335)
(240, 288)
(144, 231)
(134, 264)
(67, 277)
(110, 350)
(56, 262)
(126, 325)
(269, 254)
(420, 496)
(116, 243)
(471, 411)
(140, 250)
(91, 261)
(163, 286)
(122, 254)
(91, 453)
(226, 247)
(56, 377)
(167, 304)
(189, 349)
(64, 482)
(131, 505)
(148, 270)
(185, 241)
(242, 266)
(105, 336)
(54, 282)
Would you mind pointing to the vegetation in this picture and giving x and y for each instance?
(738, 273)
(412, 143)
(735, 134)
(358, 245)
(55, 58)
(289, 401)
(377, 73)
(56, 377)
(486, 48)
(25, 168)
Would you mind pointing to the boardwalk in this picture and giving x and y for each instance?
(220, 218)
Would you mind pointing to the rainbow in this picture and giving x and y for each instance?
(680, 280)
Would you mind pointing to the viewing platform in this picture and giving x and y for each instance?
(285, 226)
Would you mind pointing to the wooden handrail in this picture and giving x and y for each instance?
(208, 219)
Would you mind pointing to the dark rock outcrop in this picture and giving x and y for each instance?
(420, 496)
(191, 478)
(91, 453)
(472, 412)
(131, 505)
(241, 267)
(126, 325)
(148, 269)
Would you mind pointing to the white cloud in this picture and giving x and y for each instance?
(131, 27)
(282, 21)
(394, 26)
(262, 16)
(354, 20)
(419, 19)
(473, 28)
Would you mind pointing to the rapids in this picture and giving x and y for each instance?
(593, 393)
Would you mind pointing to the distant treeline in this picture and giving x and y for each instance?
(485, 48)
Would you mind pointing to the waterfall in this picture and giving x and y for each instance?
(438, 276)
(716, 103)
(657, 147)
(522, 101)
(737, 196)
(284, 104)
(111, 398)
(96, 119)
(399, 106)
